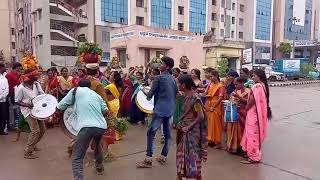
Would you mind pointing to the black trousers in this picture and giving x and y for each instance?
(4, 115)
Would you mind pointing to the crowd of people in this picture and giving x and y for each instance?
(188, 102)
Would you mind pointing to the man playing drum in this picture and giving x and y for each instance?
(164, 90)
(25, 92)
(90, 123)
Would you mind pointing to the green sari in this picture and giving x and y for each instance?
(178, 111)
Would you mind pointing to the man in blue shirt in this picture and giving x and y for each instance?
(164, 90)
(90, 109)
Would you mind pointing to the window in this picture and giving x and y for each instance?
(222, 32)
(122, 55)
(232, 34)
(105, 36)
(13, 45)
(40, 14)
(198, 16)
(240, 35)
(241, 21)
(213, 30)
(114, 11)
(40, 39)
(233, 20)
(307, 11)
(13, 58)
(13, 32)
(180, 26)
(233, 6)
(214, 17)
(181, 10)
(161, 13)
(139, 3)
(214, 2)
(160, 53)
(222, 18)
(223, 3)
(140, 20)
(241, 8)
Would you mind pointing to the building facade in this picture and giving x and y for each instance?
(8, 31)
(295, 22)
(258, 30)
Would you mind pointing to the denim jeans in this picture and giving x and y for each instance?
(80, 148)
(156, 123)
(161, 129)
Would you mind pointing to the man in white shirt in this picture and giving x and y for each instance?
(90, 109)
(25, 92)
(4, 91)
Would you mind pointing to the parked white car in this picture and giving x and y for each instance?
(271, 75)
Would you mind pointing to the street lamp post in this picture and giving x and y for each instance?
(294, 20)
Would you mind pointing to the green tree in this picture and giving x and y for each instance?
(285, 48)
(306, 68)
(222, 67)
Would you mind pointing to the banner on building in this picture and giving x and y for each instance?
(291, 65)
(165, 36)
(304, 43)
(121, 35)
(247, 55)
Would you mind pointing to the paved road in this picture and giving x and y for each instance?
(291, 151)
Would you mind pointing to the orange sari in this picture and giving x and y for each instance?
(215, 117)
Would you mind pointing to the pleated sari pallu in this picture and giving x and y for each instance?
(235, 130)
(256, 124)
(192, 146)
(215, 117)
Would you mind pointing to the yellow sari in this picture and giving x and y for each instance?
(114, 105)
(215, 117)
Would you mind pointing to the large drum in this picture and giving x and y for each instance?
(143, 103)
(44, 106)
(69, 123)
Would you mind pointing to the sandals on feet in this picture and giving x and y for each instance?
(146, 163)
(162, 160)
(249, 161)
(30, 156)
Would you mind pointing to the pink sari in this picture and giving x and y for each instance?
(255, 130)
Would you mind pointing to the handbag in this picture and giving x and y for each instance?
(231, 114)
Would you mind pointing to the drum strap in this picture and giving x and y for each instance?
(74, 92)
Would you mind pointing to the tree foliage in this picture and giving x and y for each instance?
(285, 48)
(222, 67)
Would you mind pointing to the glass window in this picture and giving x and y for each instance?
(240, 35)
(214, 17)
(139, 3)
(180, 26)
(105, 36)
(161, 13)
(197, 16)
(241, 8)
(181, 10)
(223, 3)
(232, 34)
(213, 30)
(139, 20)
(13, 45)
(222, 32)
(241, 21)
(114, 11)
(233, 20)
(233, 6)
(222, 18)
(13, 32)
(214, 2)
(263, 19)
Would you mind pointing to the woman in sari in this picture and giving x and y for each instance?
(52, 88)
(179, 101)
(235, 129)
(214, 95)
(136, 115)
(126, 94)
(258, 111)
(191, 134)
(81, 74)
(113, 99)
(245, 73)
(65, 83)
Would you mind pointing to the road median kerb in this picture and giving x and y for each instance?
(294, 83)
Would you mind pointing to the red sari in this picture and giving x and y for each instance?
(125, 101)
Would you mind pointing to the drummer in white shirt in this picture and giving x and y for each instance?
(25, 92)
(4, 91)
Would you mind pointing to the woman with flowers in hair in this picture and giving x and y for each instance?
(25, 92)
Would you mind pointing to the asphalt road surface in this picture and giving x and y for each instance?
(291, 151)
